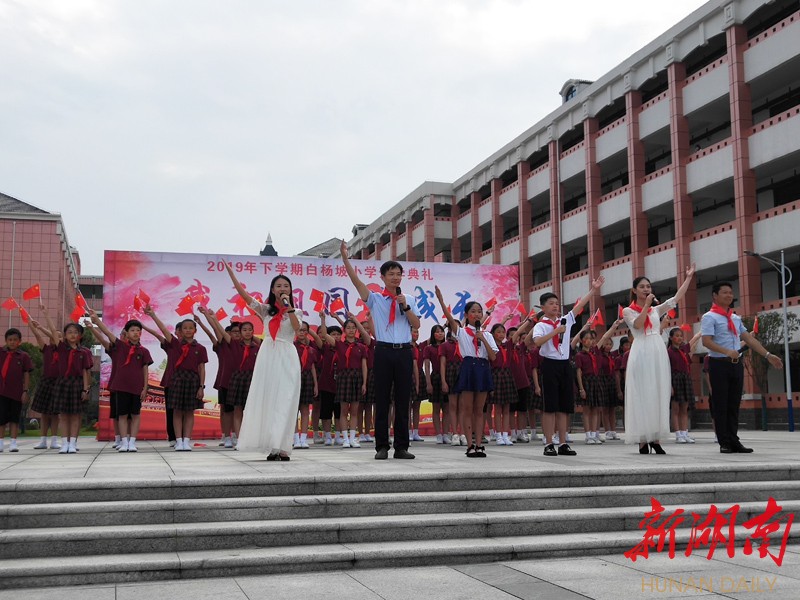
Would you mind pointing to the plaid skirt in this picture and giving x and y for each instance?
(239, 387)
(611, 386)
(183, 388)
(68, 393)
(536, 401)
(306, 387)
(596, 392)
(682, 389)
(437, 397)
(370, 397)
(348, 386)
(451, 376)
(421, 393)
(505, 391)
(45, 397)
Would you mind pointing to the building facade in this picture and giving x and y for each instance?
(686, 152)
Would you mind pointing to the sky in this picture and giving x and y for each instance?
(200, 126)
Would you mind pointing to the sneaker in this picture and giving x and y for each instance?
(556, 440)
(550, 450)
(679, 439)
(499, 441)
(228, 442)
(329, 441)
(544, 441)
(116, 444)
(187, 445)
(304, 444)
(439, 439)
(13, 446)
(172, 443)
(55, 444)
(132, 446)
(178, 445)
(222, 441)
(532, 436)
(446, 439)
(64, 449)
(569, 439)
(598, 439)
(41, 445)
(354, 443)
(296, 445)
(565, 450)
(523, 437)
(455, 440)
(462, 439)
(345, 443)
(689, 439)
(123, 446)
(588, 441)
(492, 436)
(71, 448)
(368, 438)
(417, 437)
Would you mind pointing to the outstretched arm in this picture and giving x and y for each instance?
(596, 285)
(102, 327)
(322, 332)
(148, 310)
(54, 333)
(452, 324)
(205, 328)
(609, 332)
(155, 333)
(357, 283)
(239, 287)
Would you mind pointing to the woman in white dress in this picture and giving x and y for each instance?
(648, 379)
(270, 414)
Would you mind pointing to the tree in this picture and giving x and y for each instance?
(771, 335)
(36, 358)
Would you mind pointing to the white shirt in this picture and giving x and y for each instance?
(466, 343)
(548, 350)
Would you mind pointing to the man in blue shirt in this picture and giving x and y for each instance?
(393, 317)
(723, 332)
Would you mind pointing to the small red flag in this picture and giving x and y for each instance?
(26, 318)
(220, 314)
(10, 304)
(521, 309)
(532, 316)
(76, 314)
(336, 305)
(145, 298)
(619, 311)
(672, 313)
(686, 327)
(598, 318)
(185, 306)
(316, 296)
(755, 324)
(491, 304)
(576, 303)
(319, 307)
(137, 303)
(80, 301)
(32, 292)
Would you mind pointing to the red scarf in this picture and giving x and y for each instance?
(6, 363)
(556, 338)
(304, 357)
(393, 307)
(684, 356)
(457, 352)
(184, 354)
(72, 352)
(504, 353)
(718, 310)
(647, 323)
(131, 352)
(475, 340)
(244, 356)
(275, 322)
(594, 361)
(55, 357)
(347, 353)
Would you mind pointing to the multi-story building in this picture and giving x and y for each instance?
(686, 152)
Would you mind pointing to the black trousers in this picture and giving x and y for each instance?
(393, 368)
(170, 424)
(727, 382)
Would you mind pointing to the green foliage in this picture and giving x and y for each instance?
(771, 335)
(88, 338)
(36, 358)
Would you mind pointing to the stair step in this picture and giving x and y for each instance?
(125, 512)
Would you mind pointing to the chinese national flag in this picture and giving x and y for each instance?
(319, 307)
(598, 318)
(491, 304)
(755, 324)
(672, 313)
(576, 302)
(521, 309)
(316, 296)
(185, 306)
(10, 304)
(145, 298)
(80, 301)
(336, 305)
(686, 327)
(76, 314)
(532, 316)
(137, 303)
(32, 292)
(220, 314)
(26, 318)
(619, 311)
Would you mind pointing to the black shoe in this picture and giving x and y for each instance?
(472, 451)
(272, 457)
(382, 454)
(725, 449)
(741, 449)
(480, 451)
(657, 448)
(284, 458)
(400, 453)
(565, 450)
(550, 450)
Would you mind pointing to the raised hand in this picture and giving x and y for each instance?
(690, 270)
(598, 283)
(343, 250)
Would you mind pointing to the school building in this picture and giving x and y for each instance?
(687, 151)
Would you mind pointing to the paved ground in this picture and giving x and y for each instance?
(593, 577)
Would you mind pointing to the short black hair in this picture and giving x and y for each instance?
(335, 328)
(133, 323)
(545, 297)
(719, 285)
(391, 264)
(13, 331)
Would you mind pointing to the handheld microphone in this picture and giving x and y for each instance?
(478, 328)
(564, 321)
(285, 300)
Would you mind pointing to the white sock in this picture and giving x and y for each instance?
(54, 440)
(116, 439)
(43, 440)
(186, 443)
(131, 440)
(296, 438)
(303, 437)
(338, 436)
(353, 435)
(327, 435)
(64, 441)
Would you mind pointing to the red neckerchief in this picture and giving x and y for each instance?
(55, 355)
(6, 363)
(556, 338)
(647, 323)
(475, 340)
(304, 356)
(393, 307)
(72, 352)
(457, 352)
(683, 355)
(131, 352)
(504, 354)
(718, 310)
(594, 361)
(275, 322)
(347, 353)
(184, 354)
(245, 354)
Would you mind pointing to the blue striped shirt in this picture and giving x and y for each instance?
(717, 327)
(398, 332)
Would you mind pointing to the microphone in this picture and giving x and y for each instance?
(564, 321)
(478, 328)
(285, 300)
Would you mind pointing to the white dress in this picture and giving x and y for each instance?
(270, 414)
(648, 380)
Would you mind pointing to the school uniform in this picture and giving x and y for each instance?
(475, 374)
(44, 397)
(607, 366)
(518, 355)
(589, 364)
(308, 358)
(164, 383)
(326, 382)
(431, 354)
(534, 367)
(421, 393)
(349, 376)
(185, 380)
(242, 363)
(558, 392)
(680, 362)
(370, 397)
(128, 380)
(224, 371)
(504, 389)
(453, 358)
(13, 366)
(72, 362)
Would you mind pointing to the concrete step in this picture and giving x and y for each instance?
(120, 568)
(642, 471)
(187, 537)
(206, 510)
